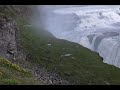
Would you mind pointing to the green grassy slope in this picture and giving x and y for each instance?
(82, 67)
(12, 74)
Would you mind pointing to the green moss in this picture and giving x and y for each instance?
(14, 66)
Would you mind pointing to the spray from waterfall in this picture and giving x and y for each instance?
(94, 27)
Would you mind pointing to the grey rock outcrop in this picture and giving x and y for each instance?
(8, 48)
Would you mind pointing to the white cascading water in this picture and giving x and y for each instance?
(94, 27)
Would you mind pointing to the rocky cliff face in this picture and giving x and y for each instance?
(8, 28)
(10, 47)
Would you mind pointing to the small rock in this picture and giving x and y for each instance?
(107, 83)
(73, 58)
(0, 73)
(67, 55)
(50, 81)
(49, 44)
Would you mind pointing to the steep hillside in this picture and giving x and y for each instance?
(49, 60)
(69, 60)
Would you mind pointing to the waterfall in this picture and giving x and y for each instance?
(94, 27)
